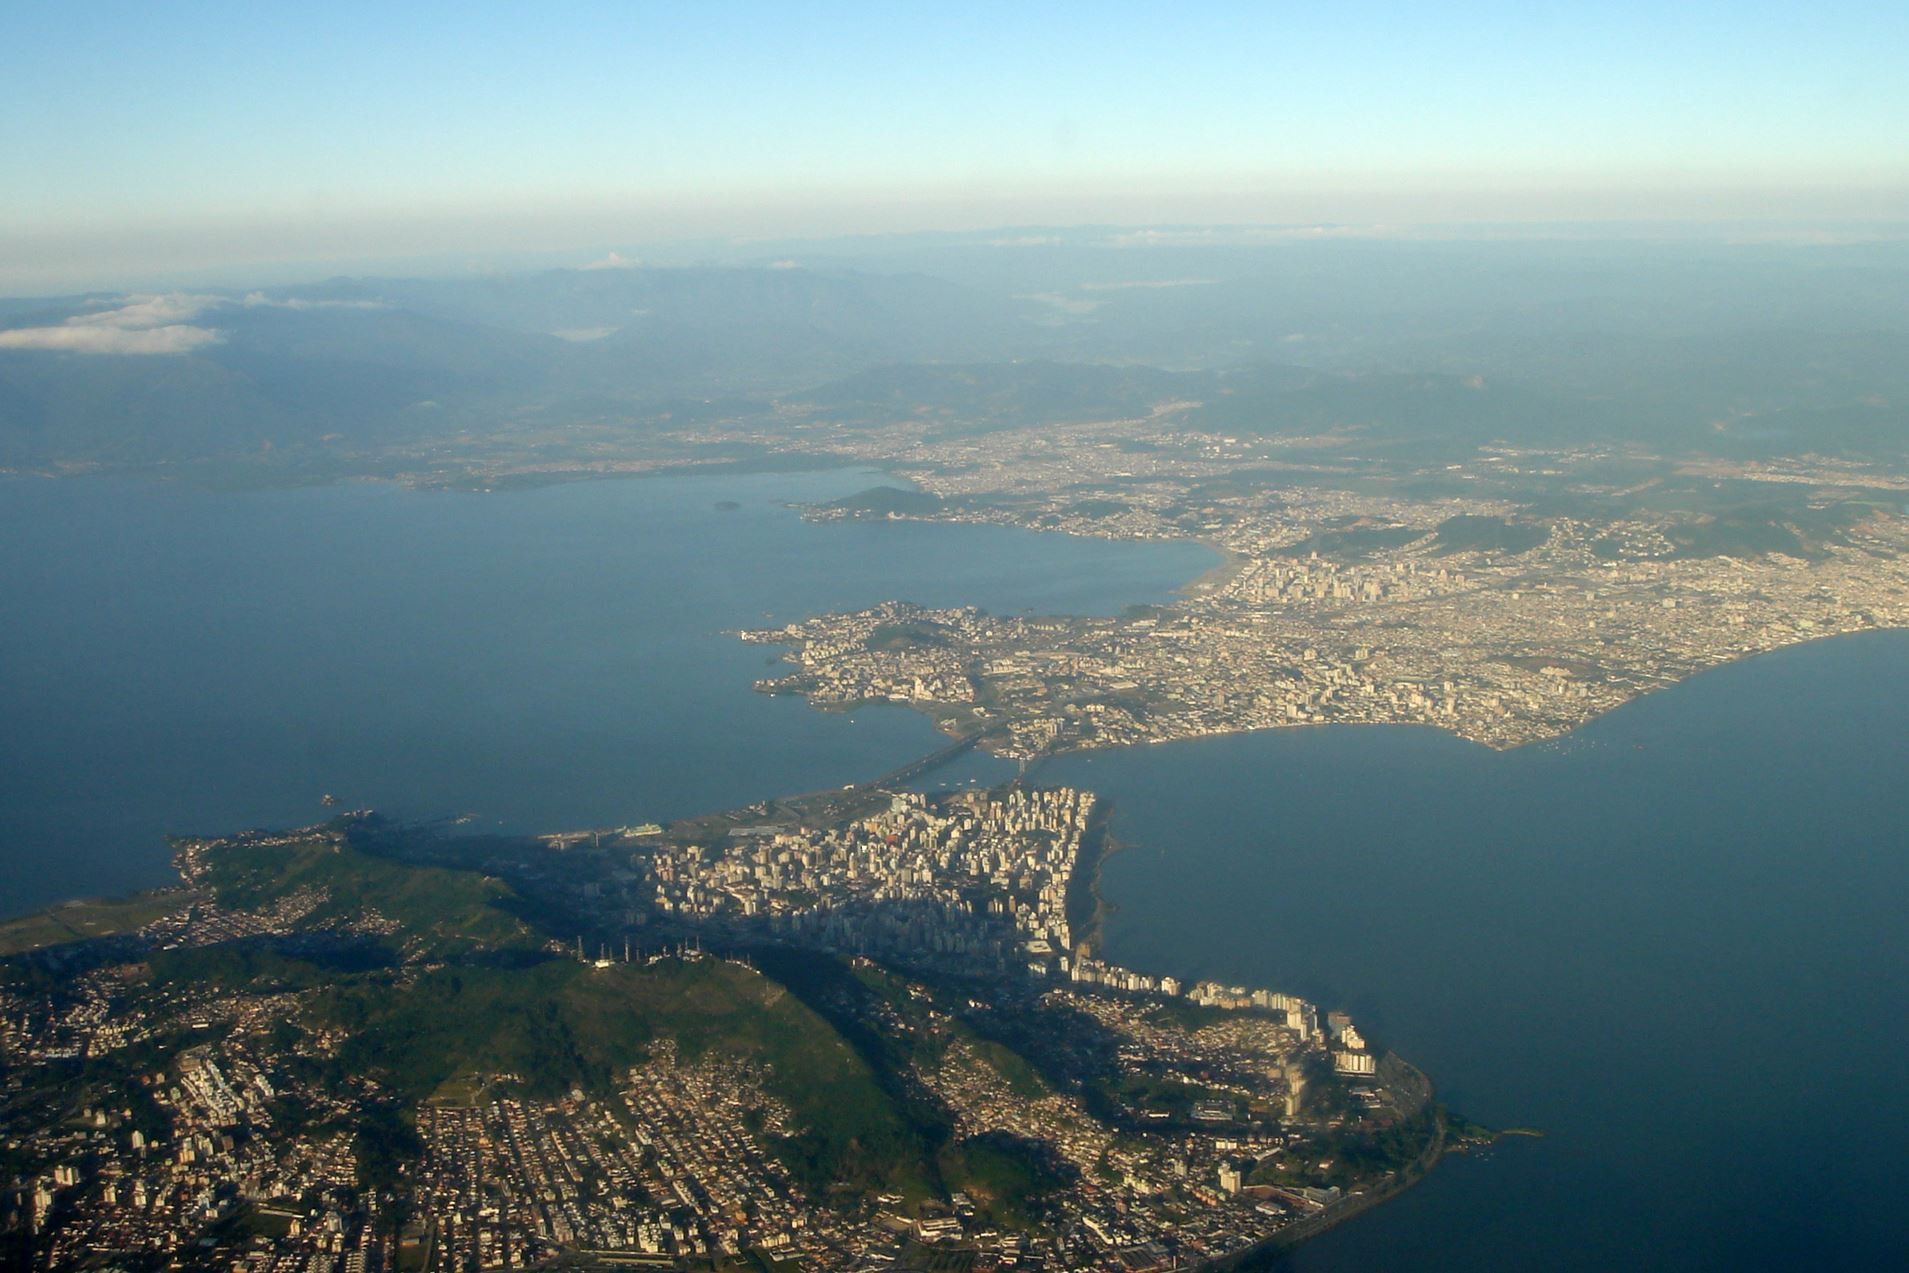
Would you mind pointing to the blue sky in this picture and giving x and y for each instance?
(344, 129)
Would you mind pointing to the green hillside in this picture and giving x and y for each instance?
(506, 1011)
(562, 1024)
(436, 911)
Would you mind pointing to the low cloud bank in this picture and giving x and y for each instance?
(259, 300)
(173, 338)
(138, 324)
(155, 323)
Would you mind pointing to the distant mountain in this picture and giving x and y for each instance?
(369, 363)
(1415, 409)
(727, 329)
(1265, 400)
(248, 375)
(978, 397)
(64, 407)
(1414, 349)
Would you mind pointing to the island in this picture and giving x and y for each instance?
(864, 1028)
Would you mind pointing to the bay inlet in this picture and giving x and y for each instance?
(1670, 940)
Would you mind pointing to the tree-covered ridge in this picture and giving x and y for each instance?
(499, 1048)
(324, 878)
(432, 981)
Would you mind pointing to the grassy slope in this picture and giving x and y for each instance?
(555, 1023)
(78, 921)
(561, 1024)
(445, 910)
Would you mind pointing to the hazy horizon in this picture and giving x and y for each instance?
(183, 144)
(37, 275)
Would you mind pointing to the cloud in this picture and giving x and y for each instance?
(138, 324)
(1027, 241)
(1065, 304)
(154, 323)
(1236, 235)
(256, 300)
(1148, 283)
(143, 311)
(82, 338)
(614, 261)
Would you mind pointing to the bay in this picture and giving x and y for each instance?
(175, 660)
(1673, 942)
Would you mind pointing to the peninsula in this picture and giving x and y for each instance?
(1507, 598)
(865, 1028)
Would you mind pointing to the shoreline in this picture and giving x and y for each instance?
(82, 919)
(1212, 578)
(1352, 1206)
(1088, 903)
(1087, 909)
(1537, 740)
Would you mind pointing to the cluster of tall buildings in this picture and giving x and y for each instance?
(982, 880)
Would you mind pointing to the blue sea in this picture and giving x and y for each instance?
(173, 660)
(1673, 942)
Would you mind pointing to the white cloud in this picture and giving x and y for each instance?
(137, 324)
(614, 261)
(1066, 304)
(584, 335)
(256, 300)
(83, 338)
(1235, 235)
(149, 310)
(153, 323)
(1148, 283)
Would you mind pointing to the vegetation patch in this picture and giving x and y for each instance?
(1469, 533)
(438, 909)
(1008, 1177)
(83, 920)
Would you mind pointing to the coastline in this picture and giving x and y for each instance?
(1413, 1087)
(1215, 576)
(1354, 1205)
(990, 742)
(1087, 909)
(82, 919)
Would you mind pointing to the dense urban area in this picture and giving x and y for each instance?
(871, 1028)
(1536, 591)
(864, 1029)
(874, 1028)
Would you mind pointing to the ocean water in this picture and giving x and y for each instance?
(173, 660)
(1674, 942)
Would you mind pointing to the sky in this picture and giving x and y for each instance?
(199, 135)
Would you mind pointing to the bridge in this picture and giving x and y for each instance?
(933, 760)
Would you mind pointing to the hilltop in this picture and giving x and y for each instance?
(665, 1041)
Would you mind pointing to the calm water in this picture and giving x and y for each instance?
(1675, 943)
(172, 660)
